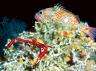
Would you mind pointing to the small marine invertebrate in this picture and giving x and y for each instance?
(34, 42)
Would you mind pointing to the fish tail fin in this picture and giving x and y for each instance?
(92, 33)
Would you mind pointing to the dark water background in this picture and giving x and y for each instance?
(25, 11)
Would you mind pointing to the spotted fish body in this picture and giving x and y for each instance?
(57, 14)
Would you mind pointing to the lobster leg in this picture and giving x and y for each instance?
(39, 45)
(19, 39)
(43, 52)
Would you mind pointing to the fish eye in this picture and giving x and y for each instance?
(40, 12)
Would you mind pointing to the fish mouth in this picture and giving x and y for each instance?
(37, 17)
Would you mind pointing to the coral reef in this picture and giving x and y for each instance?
(68, 50)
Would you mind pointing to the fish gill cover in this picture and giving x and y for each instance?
(69, 48)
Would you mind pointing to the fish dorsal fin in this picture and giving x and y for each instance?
(61, 9)
(58, 6)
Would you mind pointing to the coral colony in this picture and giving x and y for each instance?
(60, 43)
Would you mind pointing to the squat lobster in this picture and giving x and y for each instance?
(34, 42)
